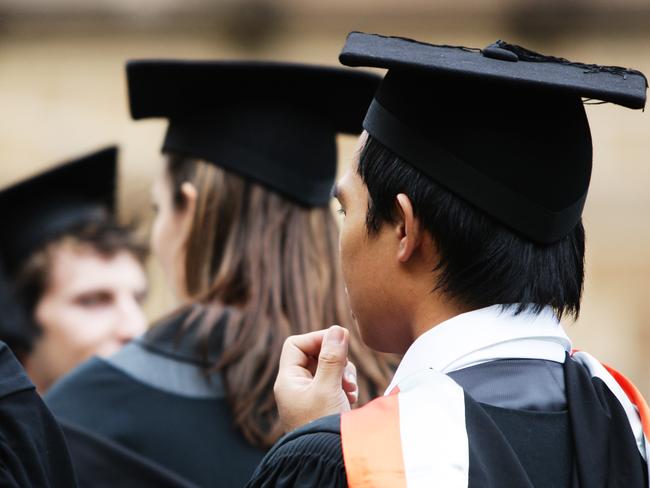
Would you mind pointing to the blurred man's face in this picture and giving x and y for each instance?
(92, 306)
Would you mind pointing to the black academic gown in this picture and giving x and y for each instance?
(148, 416)
(530, 423)
(33, 451)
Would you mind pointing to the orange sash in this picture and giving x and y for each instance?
(635, 397)
(372, 447)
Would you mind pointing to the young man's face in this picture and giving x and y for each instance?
(91, 306)
(369, 268)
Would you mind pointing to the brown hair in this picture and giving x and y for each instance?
(272, 265)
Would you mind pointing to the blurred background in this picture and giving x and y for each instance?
(62, 93)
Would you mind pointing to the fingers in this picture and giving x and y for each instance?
(350, 386)
(353, 397)
(298, 350)
(315, 377)
(312, 365)
(350, 377)
(332, 359)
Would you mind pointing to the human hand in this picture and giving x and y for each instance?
(315, 378)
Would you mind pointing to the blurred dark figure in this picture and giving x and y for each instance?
(78, 275)
(33, 451)
(245, 234)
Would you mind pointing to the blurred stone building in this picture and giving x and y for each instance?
(62, 93)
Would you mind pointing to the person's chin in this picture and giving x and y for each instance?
(376, 334)
(108, 349)
(371, 335)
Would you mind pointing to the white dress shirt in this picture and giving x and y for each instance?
(485, 335)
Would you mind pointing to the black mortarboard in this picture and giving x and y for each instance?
(502, 127)
(275, 123)
(48, 205)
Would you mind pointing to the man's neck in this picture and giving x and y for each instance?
(38, 376)
(430, 313)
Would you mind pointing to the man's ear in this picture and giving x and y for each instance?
(186, 214)
(408, 228)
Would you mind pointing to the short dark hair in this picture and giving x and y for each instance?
(32, 278)
(482, 262)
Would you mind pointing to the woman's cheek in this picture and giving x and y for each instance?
(163, 238)
(156, 238)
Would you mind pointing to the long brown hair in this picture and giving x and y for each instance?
(272, 266)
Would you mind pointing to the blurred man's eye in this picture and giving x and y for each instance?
(96, 299)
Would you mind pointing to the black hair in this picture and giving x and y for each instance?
(482, 262)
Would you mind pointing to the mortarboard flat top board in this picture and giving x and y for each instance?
(274, 123)
(501, 62)
(504, 128)
(46, 206)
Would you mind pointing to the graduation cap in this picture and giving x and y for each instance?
(274, 123)
(48, 205)
(503, 127)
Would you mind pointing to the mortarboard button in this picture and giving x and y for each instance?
(495, 52)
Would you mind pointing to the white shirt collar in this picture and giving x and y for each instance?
(485, 335)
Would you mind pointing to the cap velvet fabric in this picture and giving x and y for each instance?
(275, 123)
(48, 205)
(504, 128)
